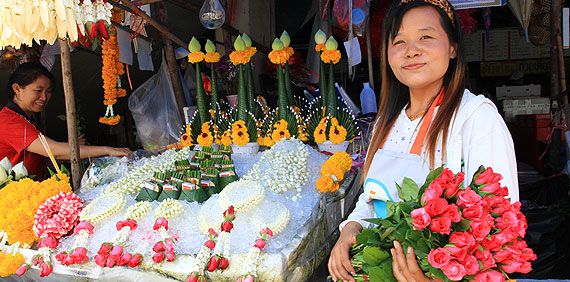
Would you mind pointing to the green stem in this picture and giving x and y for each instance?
(201, 96)
(331, 99)
(215, 98)
(250, 89)
(323, 83)
(283, 105)
(288, 86)
(242, 96)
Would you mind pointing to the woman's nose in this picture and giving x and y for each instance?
(412, 50)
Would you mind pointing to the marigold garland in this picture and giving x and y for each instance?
(212, 57)
(19, 201)
(279, 134)
(10, 263)
(111, 71)
(240, 57)
(320, 47)
(332, 172)
(205, 138)
(196, 57)
(278, 57)
(330, 56)
(110, 120)
(226, 138)
(185, 140)
(240, 137)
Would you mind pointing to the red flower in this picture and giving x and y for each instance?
(49, 241)
(462, 239)
(135, 260)
(227, 226)
(260, 244)
(193, 277)
(116, 252)
(436, 207)
(212, 233)
(454, 271)
(473, 212)
(100, 260)
(39, 259)
(433, 191)
(158, 257)
(471, 264)
(456, 252)
(480, 229)
(512, 266)
(170, 256)
(168, 245)
(159, 246)
(440, 225)
(490, 276)
(488, 176)
(124, 259)
(161, 222)
(110, 262)
(452, 213)
(495, 189)
(129, 222)
(84, 225)
(214, 262)
(452, 187)
(267, 231)
(224, 263)
(23, 268)
(467, 198)
(485, 258)
(105, 248)
(439, 258)
(210, 244)
(79, 255)
(421, 218)
(46, 269)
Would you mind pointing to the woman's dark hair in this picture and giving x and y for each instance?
(395, 95)
(26, 74)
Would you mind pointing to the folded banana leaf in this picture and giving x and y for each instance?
(192, 192)
(149, 192)
(217, 156)
(169, 191)
(210, 181)
(207, 151)
(227, 177)
(227, 151)
(198, 157)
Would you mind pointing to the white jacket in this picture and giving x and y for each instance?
(478, 137)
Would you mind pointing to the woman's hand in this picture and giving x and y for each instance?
(406, 267)
(339, 265)
(118, 152)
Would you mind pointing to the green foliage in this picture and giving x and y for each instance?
(409, 190)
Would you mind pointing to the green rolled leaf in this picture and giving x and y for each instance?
(250, 89)
(210, 46)
(215, 99)
(201, 97)
(242, 96)
(323, 83)
(332, 102)
(285, 38)
(194, 45)
(282, 94)
(246, 39)
(288, 86)
(239, 44)
(320, 37)
(277, 45)
(331, 43)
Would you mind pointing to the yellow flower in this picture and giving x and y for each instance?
(319, 134)
(278, 57)
(337, 134)
(226, 138)
(185, 140)
(239, 57)
(240, 137)
(334, 121)
(195, 57)
(206, 126)
(342, 160)
(205, 139)
(330, 56)
(238, 125)
(212, 57)
(9, 264)
(326, 183)
(251, 51)
(289, 51)
(279, 134)
(281, 124)
(320, 47)
(331, 169)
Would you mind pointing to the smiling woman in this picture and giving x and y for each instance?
(29, 91)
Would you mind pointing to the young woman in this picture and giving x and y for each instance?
(426, 118)
(29, 90)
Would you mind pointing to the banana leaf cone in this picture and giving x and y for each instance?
(283, 102)
(169, 191)
(323, 83)
(288, 86)
(242, 96)
(331, 95)
(215, 98)
(191, 189)
(198, 157)
(207, 152)
(201, 97)
(227, 177)
(210, 182)
(149, 192)
(227, 151)
(251, 105)
(217, 157)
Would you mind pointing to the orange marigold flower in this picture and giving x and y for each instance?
(320, 47)
(121, 93)
(251, 51)
(110, 120)
(278, 57)
(289, 50)
(326, 183)
(109, 102)
(212, 57)
(240, 137)
(205, 139)
(330, 56)
(195, 57)
(331, 169)
(337, 134)
(185, 140)
(239, 57)
(279, 134)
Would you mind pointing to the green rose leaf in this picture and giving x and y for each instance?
(246, 39)
(382, 273)
(362, 238)
(277, 45)
(320, 37)
(331, 44)
(285, 38)
(462, 226)
(239, 44)
(210, 46)
(374, 255)
(409, 190)
(194, 45)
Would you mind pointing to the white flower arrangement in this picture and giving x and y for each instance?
(275, 217)
(282, 168)
(118, 201)
(81, 239)
(169, 208)
(138, 210)
(243, 195)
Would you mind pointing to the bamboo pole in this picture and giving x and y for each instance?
(70, 113)
(369, 55)
(554, 57)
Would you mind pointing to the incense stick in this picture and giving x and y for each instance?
(48, 150)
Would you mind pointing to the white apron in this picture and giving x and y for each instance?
(388, 168)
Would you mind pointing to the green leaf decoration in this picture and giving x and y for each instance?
(239, 44)
(285, 38)
(283, 102)
(246, 39)
(277, 45)
(331, 44)
(332, 103)
(242, 96)
(201, 97)
(374, 255)
(322, 83)
(409, 190)
(210, 46)
(194, 45)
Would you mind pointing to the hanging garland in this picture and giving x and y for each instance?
(111, 72)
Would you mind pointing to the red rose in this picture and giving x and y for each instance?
(454, 271)
(100, 260)
(456, 252)
(421, 218)
(504, 237)
(110, 262)
(161, 222)
(473, 212)
(49, 242)
(433, 191)
(492, 245)
(159, 246)
(22, 269)
(495, 189)
(467, 198)
(485, 258)
(488, 176)
(210, 244)
(471, 264)
(511, 266)
(480, 229)
(227, 226)
(168, 245)
(260, 244)
(214, 262)
(462, 239)
(440, 225)
(193, 277)
(452, 212)
(46, 269)
(490, 276)
(170, 256)
(452, 187)
(131, 223)
(528, 255)
(105, 249)
(135, 260)
(224, 263)
(116, 252)
(436, 207)
(158, 257)
(124, 259)
(439, 258)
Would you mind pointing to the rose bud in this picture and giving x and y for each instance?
(100, 260)
(214, 262)
(193, 277)
(125, 259)
(224, 263)
(260, 244)
(117, 251)
(170, 256)
(249, 278)
(23, 268)
(110, 262)
(135, 260)
(105, 249)
(227, 226)
(159, 246)
(210, 244)
(168, 245)
(158, 257)
(46, 269)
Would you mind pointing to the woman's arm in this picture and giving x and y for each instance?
(60, 150)
(339, 264)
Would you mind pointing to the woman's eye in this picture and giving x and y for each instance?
(398, 42)
(426, 37)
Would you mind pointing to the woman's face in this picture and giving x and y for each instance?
(33, 97)
(419, 54)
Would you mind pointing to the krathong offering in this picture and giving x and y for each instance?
(458, 233)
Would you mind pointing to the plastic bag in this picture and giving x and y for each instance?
(360, 12)
(155, 112)
(103, 171)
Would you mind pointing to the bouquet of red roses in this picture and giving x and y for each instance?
(458, 233)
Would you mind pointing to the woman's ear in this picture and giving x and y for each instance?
(16, 88)
(453, 51)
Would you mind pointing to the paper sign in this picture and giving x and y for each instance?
(126, 52)
(143, 56)
(353, 52)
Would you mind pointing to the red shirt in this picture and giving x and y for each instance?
(16, 134)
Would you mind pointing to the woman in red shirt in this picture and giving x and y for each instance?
(29, 91)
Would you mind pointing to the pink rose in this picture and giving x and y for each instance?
(168, 245)
(488, 176)
(68, 260)
(161, 222)
(462, 239)
(224, 263)
(46, 269)
(436, 207)
(49, 242)
(456, 252)
(248, 278)
(480, 229)
(260, 244)
(467, 198)
(39, 259)
(490, 276)
(454, 271)
(100, 260)
(421, 218)
(110, 262)
(131, 223)
(433, 191)
(124, 259)
(158, 257)
(503, 255)
(439, 258)
(486, 258)
(22, 269)
(105, 248)
(440, 225)
(495, 189)
(492, 245)
(505, 236)
(210, 244)
(267, 231)
(452, 213)
(135, 260)
(170, 256)
(471, 264)
(159, 246)
(116, 252)
(193, 277)
(84, 225)
(510, 266)
(525, 267)
(473, 212)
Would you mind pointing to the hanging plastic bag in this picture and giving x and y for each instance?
(155, 112)
(360, 12)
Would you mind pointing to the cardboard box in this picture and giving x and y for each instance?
(525, 106)
(505, 92)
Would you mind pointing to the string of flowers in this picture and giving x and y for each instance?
(197, 267)
(78, 253)
(19, 200)
(332, 172)
(111, 72)
(249, 270)
(221, 252)
(53, 219)
(165, 248)
(11, 262)
(111, 253)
